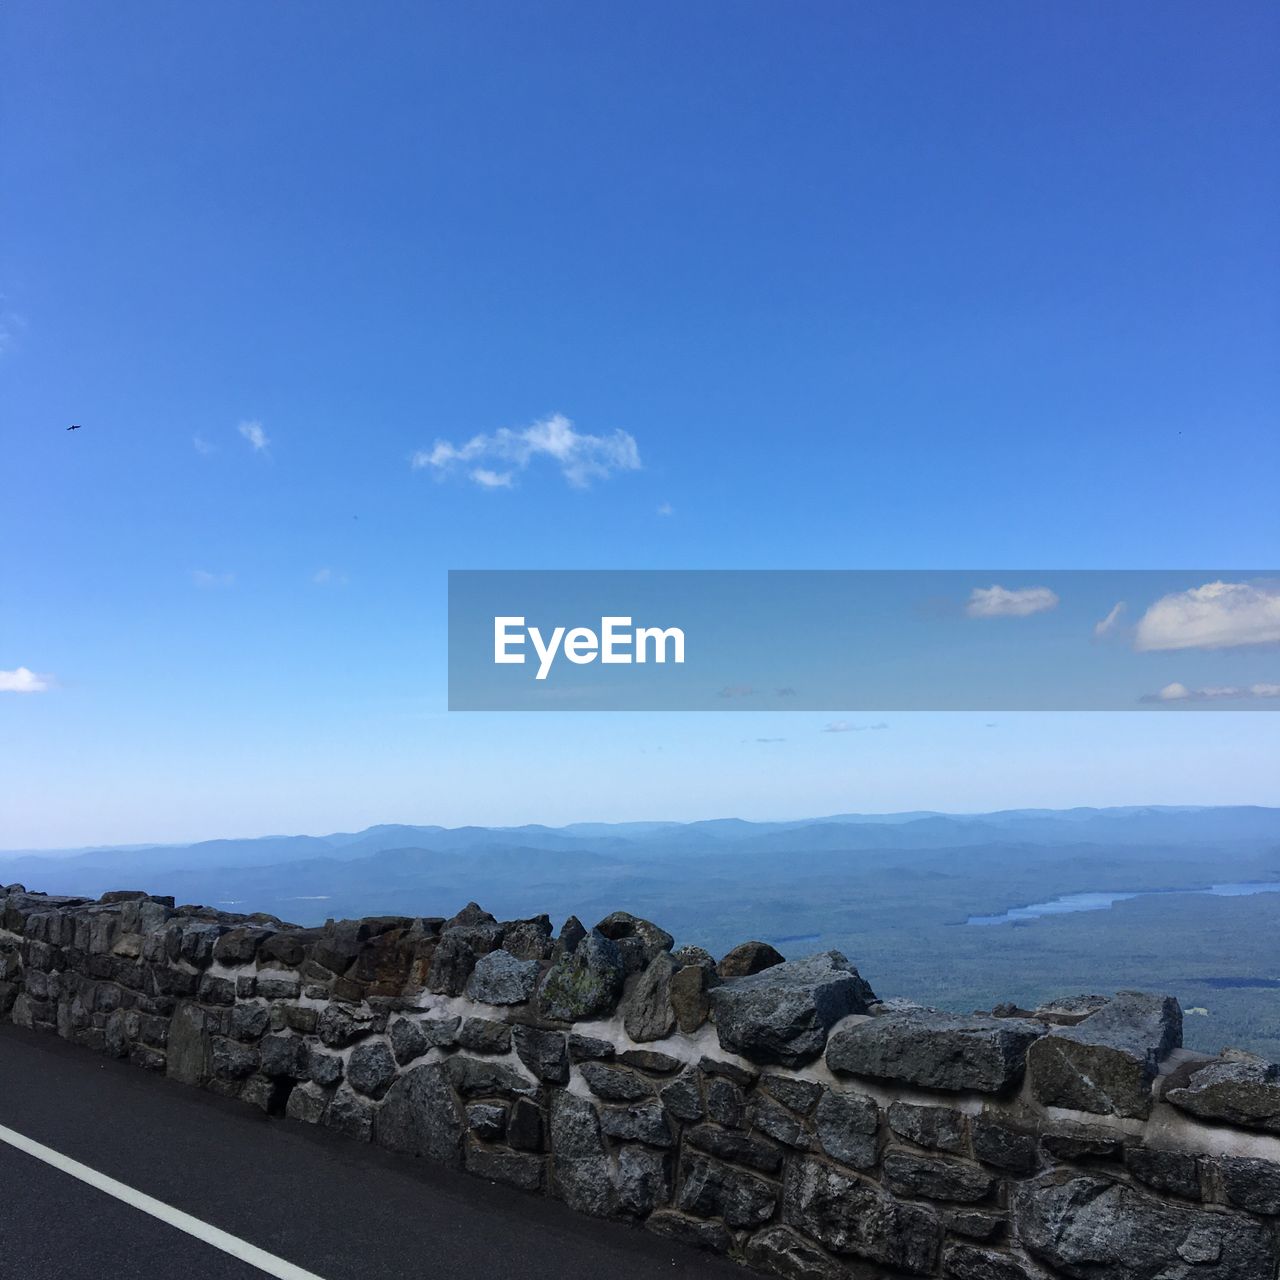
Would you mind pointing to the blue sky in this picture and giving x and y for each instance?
(867, 286)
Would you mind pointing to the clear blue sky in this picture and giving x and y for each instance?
(867, 285)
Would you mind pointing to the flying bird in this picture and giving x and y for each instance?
(75, 427)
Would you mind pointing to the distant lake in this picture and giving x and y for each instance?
(1100, 901)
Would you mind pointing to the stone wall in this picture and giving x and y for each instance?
(776, 1112)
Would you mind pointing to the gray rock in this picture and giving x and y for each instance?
(324, 1068)
(727, 1144)
(500, 978)
(938, 1128)
(639, 1122)
(651, 1060)
(714, 1190)
(615, 1084)
(976, 1224)
(278, 988)
(799, 1095)
(690, 1232)
(420, 1116)
(783, 1014)
(647, 1012)
(589, 1048)
(639, 941)
(787, 1253)
(580, 1168)
(307, 1103)
(249, 1021)
(1175, 1172)
(1005, 1148)
(524, 1126)
(584, 983)
(543, 1052)
(643, 1180)
(748, 958)
(338, 1026)
(528, 939)
(850, 1216)
(689, 954)
(726, 1104)
(408, 1039)
(515, 1169)
(776, 1122)
(351, 1114)
(1080, 1142)
(1250, 1184)
(483, 1035)
(371, 1068)
(478, 1078)
(683, 1097)
(1239, 1088)
(188, 1053)
(936, 1050)
(691, 995)
(1088, 1227)
(487, 1121)
(935, 1177)
(463, 940)
(847, 1125)
(284, 1056)
(1106, 1063)
(969, 1262)
(232, 1060)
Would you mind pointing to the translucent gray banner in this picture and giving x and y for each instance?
(864, 640)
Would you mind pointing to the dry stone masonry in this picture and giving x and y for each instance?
(774, 1111)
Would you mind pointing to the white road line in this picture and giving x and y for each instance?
(220, 1239)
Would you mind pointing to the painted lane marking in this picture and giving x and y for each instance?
(139, 1200)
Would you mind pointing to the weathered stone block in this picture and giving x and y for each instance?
(936, 1177)
(1239, 1087)
(847, 1125)
(938, 1128)
(502, 979)
(583, 983)
(936, 1050)
(783, 1013)
(647, 1011)
(714, 1190)
(543, 1052)
(420, 1116)
(1106, 1063)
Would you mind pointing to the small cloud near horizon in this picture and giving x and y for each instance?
(737, 691)
(24, 680)
(1217, 615)
(327, 577)
(203, 578)
(1178, 692)
(582, 458)
(845, 726)
(1002, 602)
(253, 432)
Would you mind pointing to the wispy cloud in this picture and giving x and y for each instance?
(1218, 615)
(202, 446)
(23, 680)
(11, 327)
(666, 509)
(845, 726)
(582, 458)
(253, 432)
(737, 691)
(1220, 693)
(327, 577)
(1001, 602)
(1109, 624)
(212, 581)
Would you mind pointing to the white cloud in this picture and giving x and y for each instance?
(255, 435)
(1001, 602)
(666, 509)
(22, 680)
(1218, 615)
(581, 458)
(1177, 692)
(11, 326)
(203, 578)
(844, 726)
(201, 445)
(1108, 624)
(327, 577)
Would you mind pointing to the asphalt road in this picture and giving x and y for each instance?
(340, 1209)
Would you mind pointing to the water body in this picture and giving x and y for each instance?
(1101, 901)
